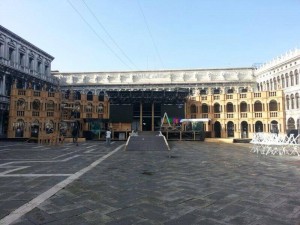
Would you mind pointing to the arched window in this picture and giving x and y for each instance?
(77, 95)
(286, 80)
(50, 106)
(193, 108)
(268, 86)
(89, 96)
(89, 107)
(203, 92)
(243, 107)
(229, 107)
(274, 84)
(101, 97)
(297, 101)
(296, 77)
(291, 123)
(230, 91)
(36, 104)
(257, 106)
(292, 78)
(271, 85)
(260, 87)
(273, 105)
(21, 104)
(216, 91)
(282, 81)
(287, 102)
(278, 82)
(100, 108)
(204, 108)
(244, 90)
(217, 108)
(292, 101)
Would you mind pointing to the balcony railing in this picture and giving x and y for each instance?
(229, 115)
(217, 115)
(243, 95)
(36, 93)
(20, 113)
(204, 115)
(229, 96)
(273, 114)
(21, 92)
(258, 115)
(35, 113)
(244, 115)
(51, 94)
(50, 114)
(257, 95)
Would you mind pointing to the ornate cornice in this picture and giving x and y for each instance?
(158, 77)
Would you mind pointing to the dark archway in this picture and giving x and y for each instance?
(274, 127)
(244, 129)
(230, 129)
(217, 129)
(259, 126)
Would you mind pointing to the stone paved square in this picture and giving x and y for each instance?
(194, 183)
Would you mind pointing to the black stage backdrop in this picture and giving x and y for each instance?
(173, 111)
(121, 113)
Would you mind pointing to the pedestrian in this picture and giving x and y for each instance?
(75, 135)
(108, 137)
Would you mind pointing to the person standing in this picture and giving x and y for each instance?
(108, 137)
(75, 135)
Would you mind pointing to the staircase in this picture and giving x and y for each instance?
(147, 141)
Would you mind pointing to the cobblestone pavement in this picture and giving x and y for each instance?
(195, 183)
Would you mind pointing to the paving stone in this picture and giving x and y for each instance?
(270, 220)
(38, 216)
(185, 219)
(201, 183)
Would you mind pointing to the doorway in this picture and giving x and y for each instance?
(244, 129)
(217, 129)
(230, 129)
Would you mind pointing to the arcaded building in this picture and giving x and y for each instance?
(25, 71)
(282, 73)
(138, 100)
(233, 102)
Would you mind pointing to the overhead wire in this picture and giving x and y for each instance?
(104, 42)
(108, 34)
(150, 34)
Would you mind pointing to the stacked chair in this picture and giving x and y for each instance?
(275, 144)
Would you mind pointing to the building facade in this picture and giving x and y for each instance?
(22, 66)
(236, 102)
(228, 97)
(282, 73)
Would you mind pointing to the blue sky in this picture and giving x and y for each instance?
(155, 34)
